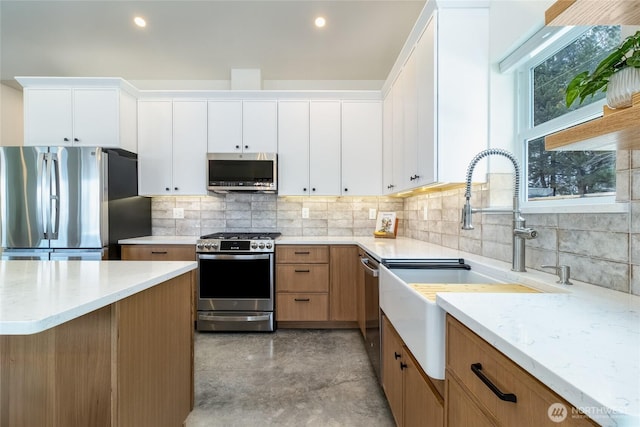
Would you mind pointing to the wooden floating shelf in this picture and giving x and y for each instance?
(616, 129)
(593, 12)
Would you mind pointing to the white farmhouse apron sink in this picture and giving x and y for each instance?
(418, 319)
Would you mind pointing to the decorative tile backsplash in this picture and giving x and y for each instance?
(601, 248)
(328, 216)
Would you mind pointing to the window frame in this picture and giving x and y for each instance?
(526, 131)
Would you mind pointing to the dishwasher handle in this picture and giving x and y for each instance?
(370, 271)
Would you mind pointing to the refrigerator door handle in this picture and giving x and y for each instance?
(55, 197)
(43, 190)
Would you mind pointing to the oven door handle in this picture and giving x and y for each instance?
(234, 256)
(257, 318)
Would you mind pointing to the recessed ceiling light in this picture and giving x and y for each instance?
(320, 22)
(140, 22)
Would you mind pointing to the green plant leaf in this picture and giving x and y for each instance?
(575, 87)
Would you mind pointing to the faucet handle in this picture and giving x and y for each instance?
(563, 272)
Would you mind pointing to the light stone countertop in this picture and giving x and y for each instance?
(582, 341)
(39, 295)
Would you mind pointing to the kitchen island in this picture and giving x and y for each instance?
(95, 343)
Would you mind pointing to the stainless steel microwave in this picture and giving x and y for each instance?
(257, 172)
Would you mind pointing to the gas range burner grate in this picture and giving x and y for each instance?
(241, 236)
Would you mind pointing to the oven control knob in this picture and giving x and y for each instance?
(254, 245)
(214, 245)
(261, 245)
(269, 245)
(207, 245)
(200, 246)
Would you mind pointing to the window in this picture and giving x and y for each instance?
(564, 175)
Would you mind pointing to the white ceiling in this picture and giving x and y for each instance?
(204, 40)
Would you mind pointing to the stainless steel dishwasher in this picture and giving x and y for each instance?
(372, 311)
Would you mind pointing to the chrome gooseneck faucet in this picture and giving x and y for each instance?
(520, 232)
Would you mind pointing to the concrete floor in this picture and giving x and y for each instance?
(286, 378)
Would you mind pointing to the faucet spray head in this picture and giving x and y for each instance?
(466, 216)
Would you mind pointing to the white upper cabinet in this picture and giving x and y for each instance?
(324, 148)
(79, 112)
(438, 104)
(293, 148)
(260, 126)
(387, 144)
(361, 148)
(172, 147)
(225, 127)
(237, 126)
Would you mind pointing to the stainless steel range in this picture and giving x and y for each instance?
(236, 282)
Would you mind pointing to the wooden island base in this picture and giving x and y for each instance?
(127, 364)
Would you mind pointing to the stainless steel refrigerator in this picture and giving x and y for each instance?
(69, 202)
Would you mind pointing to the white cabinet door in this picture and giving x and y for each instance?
(190, 147)
(387, 144)
(293, 148)
(96, 117)
(155, 153)
(225, 127)
(324, 148)
(399, 174)
(410, 116)
(425, 53)
(48, 117)
(259, 126)
(361, 148)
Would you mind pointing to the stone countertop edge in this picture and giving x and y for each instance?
(70, 289)
(585, 349)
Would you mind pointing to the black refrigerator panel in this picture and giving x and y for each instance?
(129, 215)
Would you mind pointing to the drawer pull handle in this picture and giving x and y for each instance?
(303, 271)
(403, 366)
(302, 299)
(396, 355)
(302, 252)
(159, 252)
(507, 397)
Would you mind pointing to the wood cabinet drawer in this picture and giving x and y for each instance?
(159, 252)
(467, 352)
(302, 307)
(302, 254)
(302, 277)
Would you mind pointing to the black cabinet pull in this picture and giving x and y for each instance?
(246, 146)
(301, 252)
(175, 188)
(302, 271)
(507, 397)
(313, 189)
(304, 189)
(159, 252)
(237, 146)
(301, 299)
(166, 188)
(396, 355)
(66, 139)
(403, 365)
(76, 139)
(346, 189)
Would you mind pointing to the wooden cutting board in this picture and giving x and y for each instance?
(429, 290)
